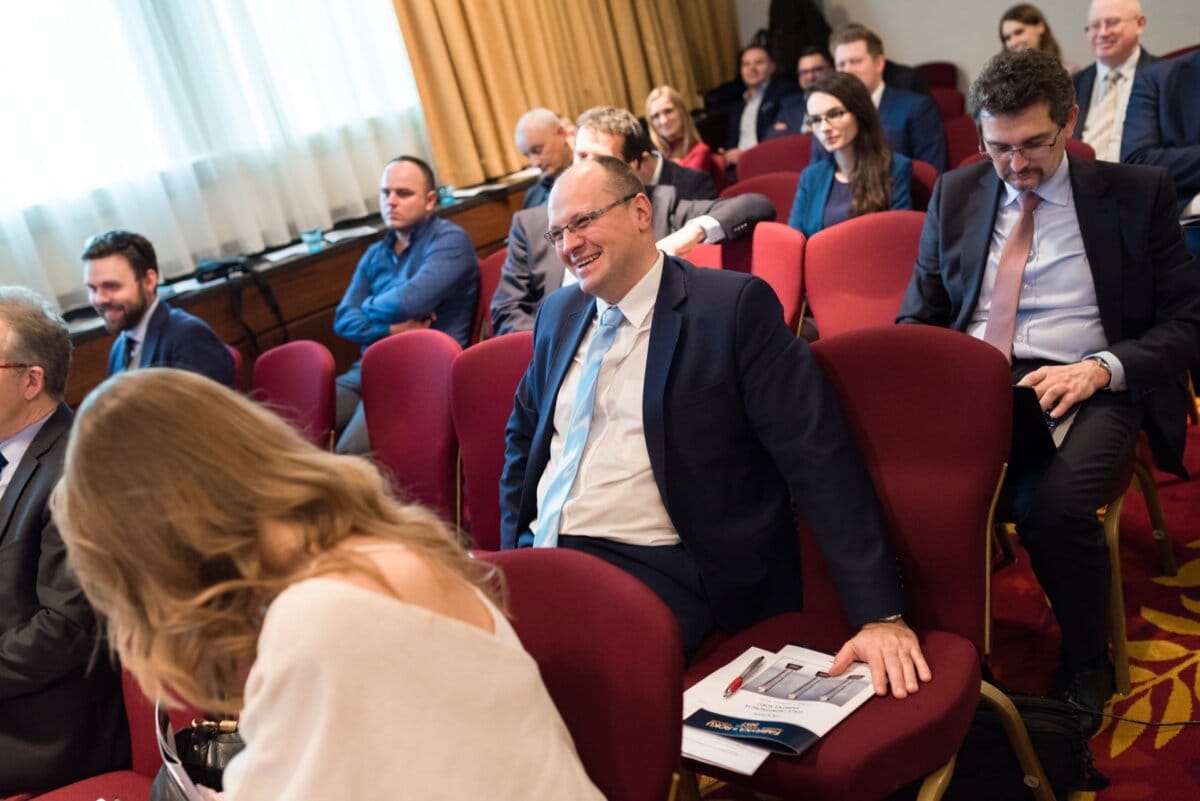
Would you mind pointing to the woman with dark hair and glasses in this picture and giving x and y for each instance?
(863, 176)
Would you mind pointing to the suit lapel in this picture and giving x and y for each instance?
(1100, 228)
(153, 335)
(664, 337)
(54, 427)
(982, 205)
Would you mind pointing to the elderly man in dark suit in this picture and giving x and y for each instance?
(1078, 273)
(60, 720)
(667, 422)
(1114, 30)
(532, 270)
(122, 280)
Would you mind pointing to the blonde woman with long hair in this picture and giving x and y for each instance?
(674, 133)
(242, 570)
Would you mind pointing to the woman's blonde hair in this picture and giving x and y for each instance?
(691, 136)
(168, 479)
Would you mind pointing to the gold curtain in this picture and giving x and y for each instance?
(481, 64)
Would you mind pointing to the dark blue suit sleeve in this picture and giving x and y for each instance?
(1144, 141)
(797, 418)
(518, 438)
(927, 135)
(926, 299)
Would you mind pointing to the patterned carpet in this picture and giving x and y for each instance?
(1163, 625)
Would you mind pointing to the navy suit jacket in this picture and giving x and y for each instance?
(913, 128)
(1085, 83)
(1162, 123)
(1147, 285)
(738, 421)
(532, 270)
(774, 94)
(59, 720)
(812, 193)
(175, 338)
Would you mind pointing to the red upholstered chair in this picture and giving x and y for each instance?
(720, 171)
(856, 272)
(939, 74)
(903, 388)
(489, 278)
(609, 653)
(239, 368)
(779, 187)
(962, 139)
(483, 380)
(133, 784)
(774, 252)
(950, 102)
(789, 153)
(1183, 51)
(406, 397)
(924, 176)
(296, 380)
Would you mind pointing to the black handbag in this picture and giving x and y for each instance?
(201, 751)
(988, 768)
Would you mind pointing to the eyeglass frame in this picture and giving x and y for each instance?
(813, 120)
(555, 235)
(16, 366)
(1012, 152)
(1108, 23)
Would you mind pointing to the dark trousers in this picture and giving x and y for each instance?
(1055, 512)
(669, 571)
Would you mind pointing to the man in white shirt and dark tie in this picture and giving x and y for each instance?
(1114, 31)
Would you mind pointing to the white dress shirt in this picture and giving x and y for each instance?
(1123, 88)
(615, 496)
(1057, 315)
(748, 125)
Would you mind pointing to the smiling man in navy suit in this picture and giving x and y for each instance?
(122, 280)
(667, 423)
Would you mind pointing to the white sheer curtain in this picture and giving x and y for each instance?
(213, 127)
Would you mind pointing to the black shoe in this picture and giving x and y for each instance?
(1088, 690)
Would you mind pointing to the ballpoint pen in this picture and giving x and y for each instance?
(736, 684)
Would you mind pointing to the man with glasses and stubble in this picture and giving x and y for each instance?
(1078, 274)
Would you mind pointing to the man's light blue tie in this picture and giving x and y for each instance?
(563, 480)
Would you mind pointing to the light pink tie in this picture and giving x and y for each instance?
(1002, 317)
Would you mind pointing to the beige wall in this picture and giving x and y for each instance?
(965, 32)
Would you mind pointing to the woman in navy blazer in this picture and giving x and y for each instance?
(863, 176)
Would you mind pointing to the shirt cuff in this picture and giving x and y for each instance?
(1117, 381)
(713, 232)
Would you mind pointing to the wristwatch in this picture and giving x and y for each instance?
(1100, 360)
(896, 618)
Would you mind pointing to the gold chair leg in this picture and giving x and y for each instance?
(1158, 522)
(684, 786)
(1193, 414)
(1116, 597)
(937, 782)
(1018, 737)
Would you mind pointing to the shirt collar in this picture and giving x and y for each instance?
(877, 95)
(658, 168)
(138, 333)
(639, 301)
(1127, 69)
(1056, 190)
(409, 235)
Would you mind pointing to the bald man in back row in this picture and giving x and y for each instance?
(543, 138)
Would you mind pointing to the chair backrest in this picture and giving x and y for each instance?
(924, 176)
(720, 171)
(962, 139)
(296, 380)
(610, 655)
(489, 278)
(939, 74)
(950, 103)
(931, 411)
(856, 272)
(779, 187)
(483, 380)
(406, 397)
(239, 368)
(790, 153)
